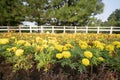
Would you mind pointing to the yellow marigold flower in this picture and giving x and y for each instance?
(27, 44)
(110, 48)
(83, 44)
(59, 47)
(19, 52)
(118, 46)
(4, 41)
(95, 43)
(99, 45)
(44, 42)
(32, 41)
(66, 54)
(59, 55)
(14, 49)
(65, 48)
(53, 42)
(21, 42)
(39, 48)
(45, 46)
(85, 62)
(88, 54)
(68, 45)
(38, 39)
(116, 43)
(100, 58)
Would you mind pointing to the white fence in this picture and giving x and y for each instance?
(60, 29)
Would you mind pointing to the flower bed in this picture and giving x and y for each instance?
(59, 56)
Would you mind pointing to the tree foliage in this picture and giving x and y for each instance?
(114, 18)
(37, 10)
(12, 12)
(55, 12)
(75, 12)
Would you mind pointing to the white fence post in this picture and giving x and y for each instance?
(19, 29)
(75, 29)
(111, 30)
(52, 29)
(30, 29)
(8, 28)
(64, 30)
(98, 30)
(86, 29)
(41, 29)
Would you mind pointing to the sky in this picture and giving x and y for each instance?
(109, 7)
(29, 23)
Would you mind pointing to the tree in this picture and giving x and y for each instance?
(57, 12)
(12, 12)
(114, 18)
(36, 11)
(74, 12)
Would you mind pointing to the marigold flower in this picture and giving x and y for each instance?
(88, 54)
(85, 62)
(83, 44)
(110, 48)
(99, 45)
(14, 49)
(27, 44)
(100, 58)
(68, 45)
(39, 48)
(96, 43)
(38, 39)
(4, 41)
(44, 42)
(118, 46)
(20, 41)
(65, 48)
(116, 43)
(59, 47)
(59, 55)
(53, 42)
(66, 54)
(19, 52)
(45, 46)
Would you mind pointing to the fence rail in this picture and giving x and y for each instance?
(62, 29)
